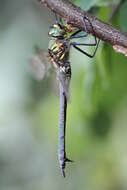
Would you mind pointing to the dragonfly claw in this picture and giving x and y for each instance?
(68, 160)
(63, 168)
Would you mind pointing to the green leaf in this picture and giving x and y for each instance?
(86, 5)
(106, 2)
(123, 16)
(104, 13)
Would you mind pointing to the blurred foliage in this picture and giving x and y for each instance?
(87, 4)
(123, 15)
(29, 109)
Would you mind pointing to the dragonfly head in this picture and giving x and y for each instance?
(57, 31)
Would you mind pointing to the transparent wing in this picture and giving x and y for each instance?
(65, 81)
(39, 64)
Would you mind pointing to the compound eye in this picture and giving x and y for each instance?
(56, 31)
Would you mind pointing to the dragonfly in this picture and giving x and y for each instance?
(61, 36)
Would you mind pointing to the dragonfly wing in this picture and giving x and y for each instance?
(39, 65)
(65, 82)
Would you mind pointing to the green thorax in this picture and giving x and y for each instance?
(59, 42)
(60, 31)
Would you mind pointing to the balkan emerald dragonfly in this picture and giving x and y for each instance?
(61, 36)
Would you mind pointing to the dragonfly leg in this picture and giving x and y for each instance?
(57, 19)
(77, 32)
(85, 35)
(96, 42)
(84, 44)
(74, 35)
(75, 45)
(63, 168)
(85, 18)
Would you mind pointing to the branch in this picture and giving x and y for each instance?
(74, 15)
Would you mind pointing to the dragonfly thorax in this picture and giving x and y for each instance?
(60, 31)
(59, 50)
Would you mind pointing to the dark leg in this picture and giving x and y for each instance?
(83, 44)
(57, 19)
(85, 18)
(74, 35)
(85, 35)
(85, 53)
(96, 43)
(80, 36)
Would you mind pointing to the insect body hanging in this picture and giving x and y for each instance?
(61, 40)
(59, 56)
(59, 47)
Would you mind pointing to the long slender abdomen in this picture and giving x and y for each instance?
(62, 128)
